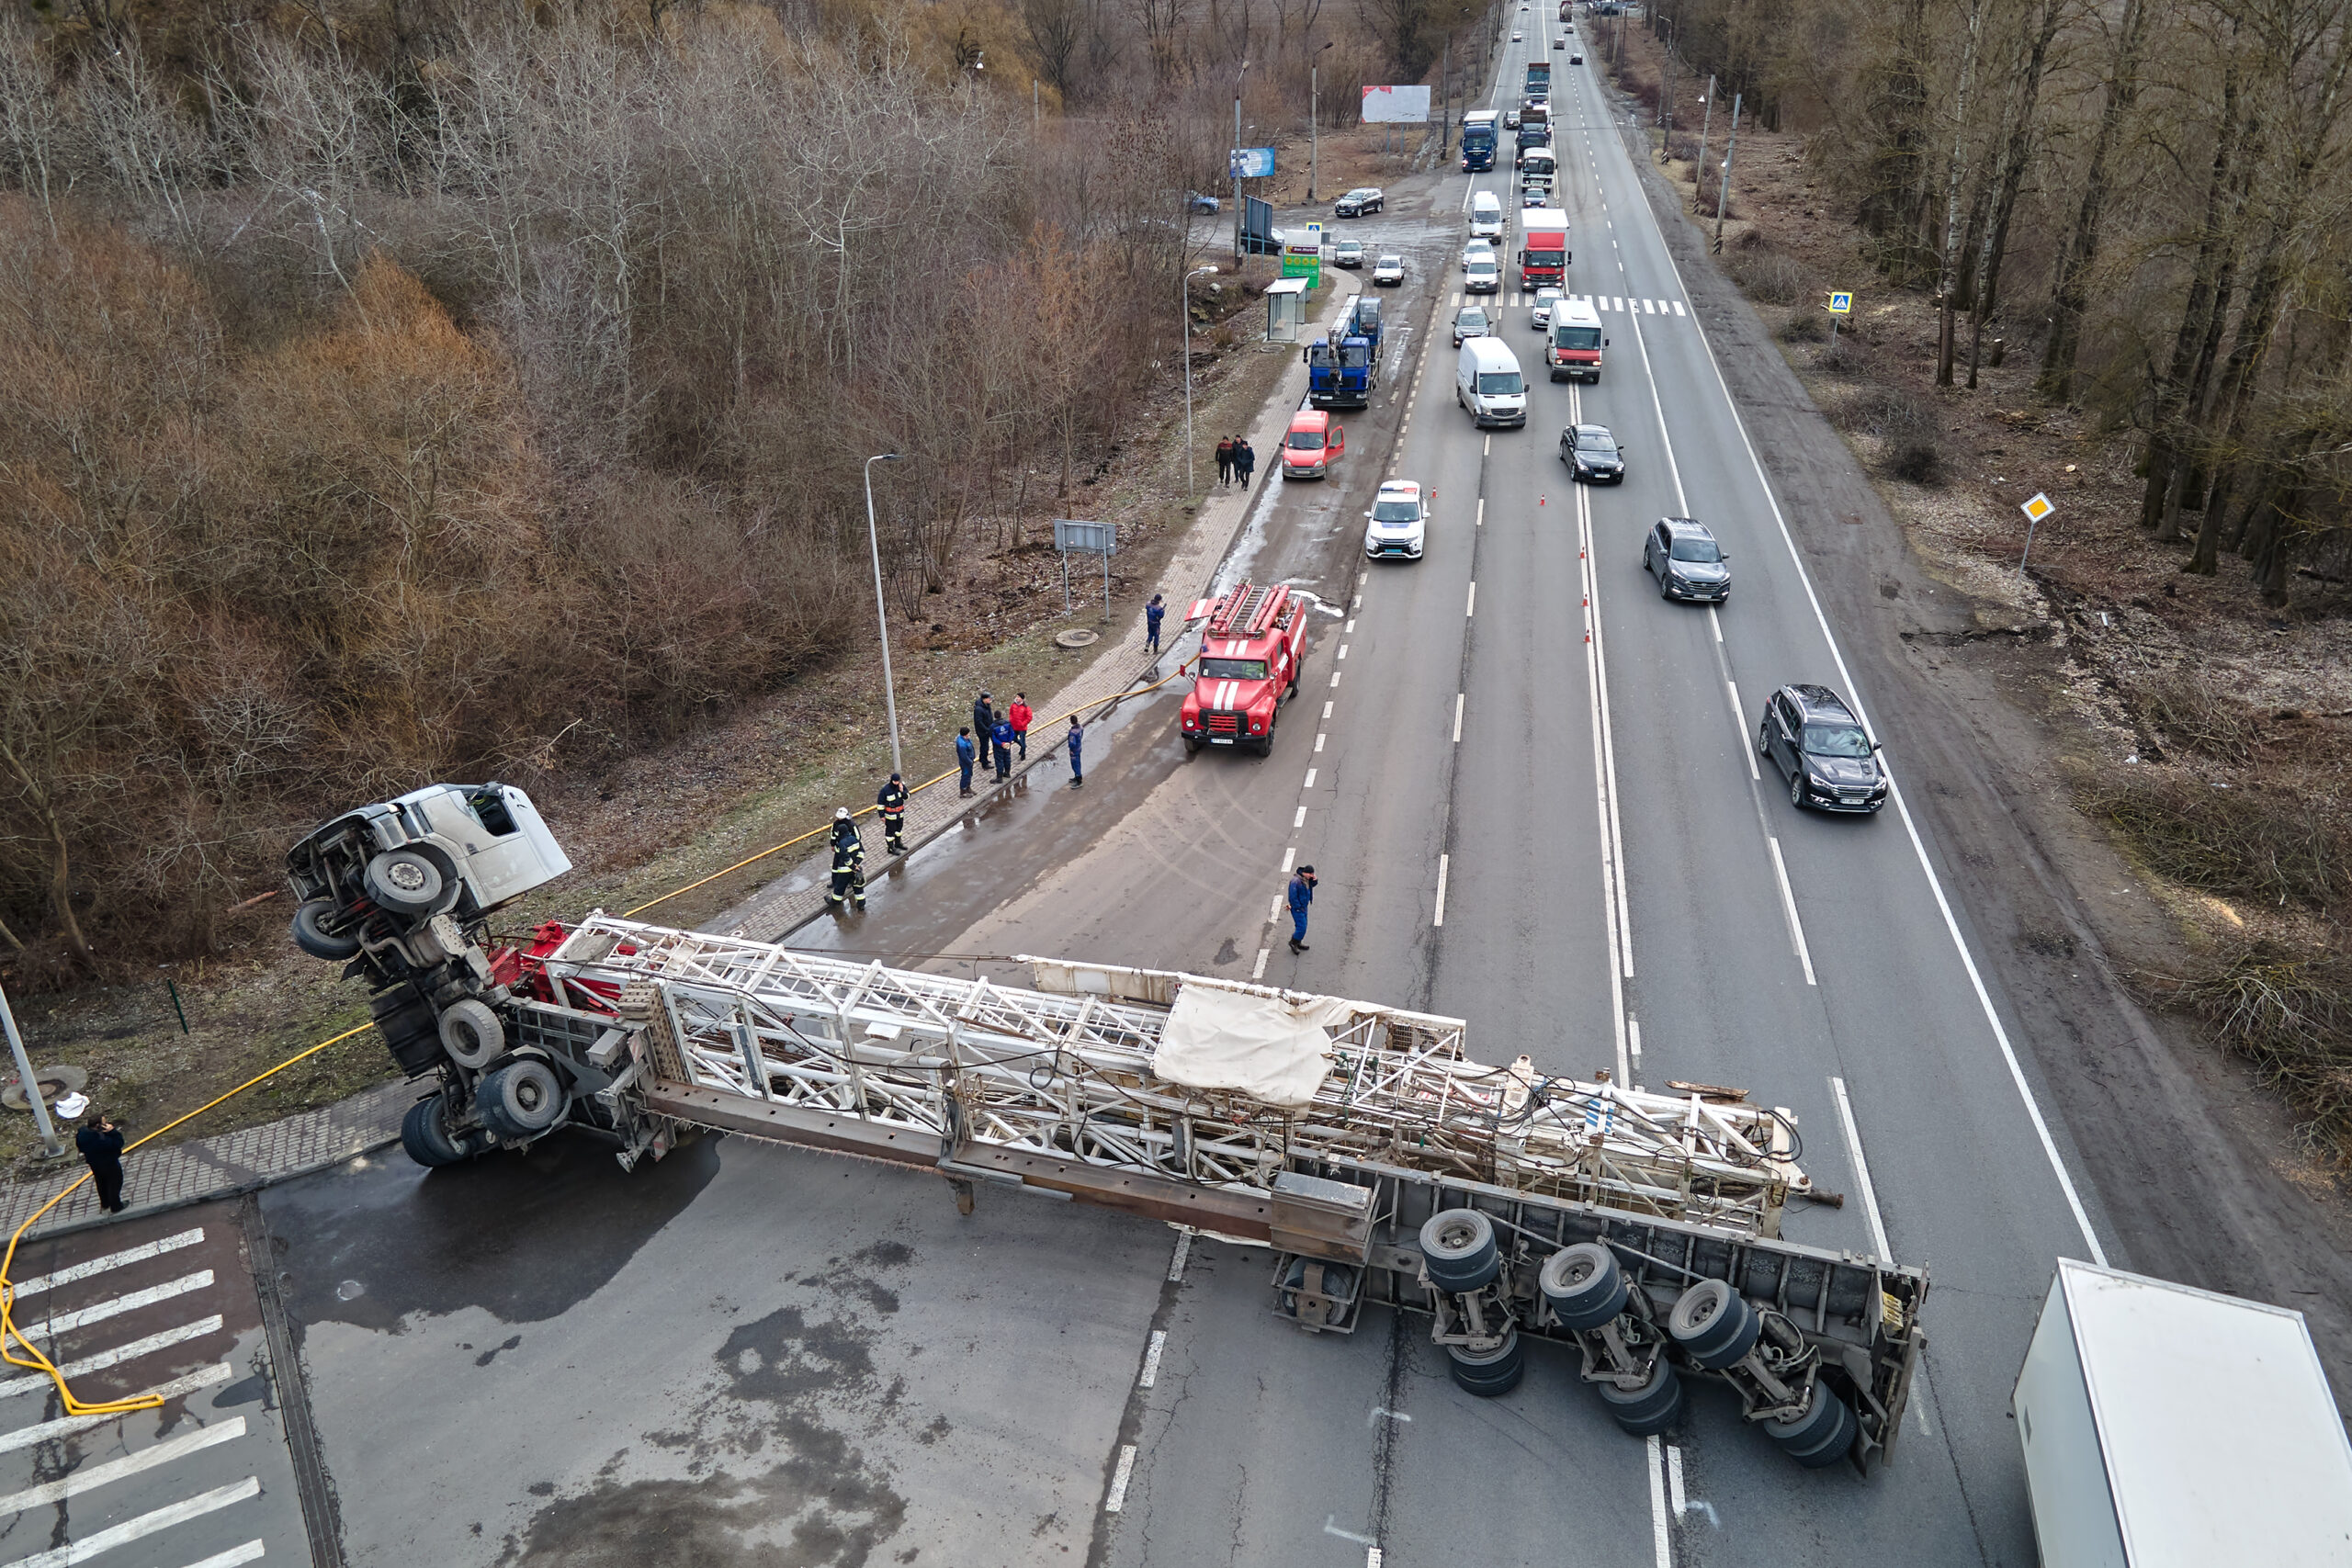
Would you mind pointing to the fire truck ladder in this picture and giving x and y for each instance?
(1241, 614)
(1405, 1144)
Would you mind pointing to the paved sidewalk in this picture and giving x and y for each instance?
(207, 1169)
(797, 896)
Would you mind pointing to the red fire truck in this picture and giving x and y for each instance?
(1249, 661)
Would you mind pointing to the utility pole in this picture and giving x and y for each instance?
(1699, 169)
(51, 1144)
(1445, 103)
(1236, 158)
(1722, 191)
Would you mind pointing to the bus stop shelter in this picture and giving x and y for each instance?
(1285, 310)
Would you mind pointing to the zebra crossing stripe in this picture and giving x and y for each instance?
(1678, 308)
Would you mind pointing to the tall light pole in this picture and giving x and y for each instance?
(1236, 158)
(881, 611)
(1314, 115)
(1185, 307)
(51, 1144)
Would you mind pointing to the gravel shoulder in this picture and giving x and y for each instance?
(2193, 1162)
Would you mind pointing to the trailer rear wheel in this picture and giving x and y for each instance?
(521, 1099)
(1488, 1372)
(1821, 1436)
(424, 1134)
(1458, 1249)
(1653, 1407)
(1584, 1285)
(312, 937)
(471, 1033)
(1715, 1326)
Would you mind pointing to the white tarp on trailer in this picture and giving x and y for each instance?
(1273, 1049)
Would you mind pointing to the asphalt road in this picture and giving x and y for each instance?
(1527, 785)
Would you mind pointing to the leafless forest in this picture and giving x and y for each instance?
(398, 390)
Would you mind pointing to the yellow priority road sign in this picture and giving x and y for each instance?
(1841, 302)
(2038, 508)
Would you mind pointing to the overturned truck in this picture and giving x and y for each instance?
(1380, 1164)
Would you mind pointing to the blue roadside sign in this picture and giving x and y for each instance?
(1252, 163)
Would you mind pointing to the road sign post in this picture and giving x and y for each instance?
(1841, 303)
(2035, 511)
(1072, 536)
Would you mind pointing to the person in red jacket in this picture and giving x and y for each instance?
(1021, 716)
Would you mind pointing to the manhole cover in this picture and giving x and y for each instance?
(1076, 637)
(54, 1081)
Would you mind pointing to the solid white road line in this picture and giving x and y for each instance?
(1788, 908)
(67, 1427)
(1861, 1168)
(145, 1524)
(235, 1557)
(1910, 828)
(115, 1357)
(1661, 1538)
(1739, 728)
(1612, 849)
(40, 1282)
(1715, 620)
(1442, 861)
(1126, 1468)
(1150, 1375)
(89, 1478)
(116, 1306)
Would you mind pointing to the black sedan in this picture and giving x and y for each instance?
(1359, 202)
(1592, 454)
(1686, 560)
(1813, 738)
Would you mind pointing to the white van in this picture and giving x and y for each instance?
(1486, 216)
(1537, 169)
(1486, 381)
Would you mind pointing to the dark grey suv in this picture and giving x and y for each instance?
(1686, 560)
(1813, 738)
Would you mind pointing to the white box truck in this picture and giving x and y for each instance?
(2171, 1427)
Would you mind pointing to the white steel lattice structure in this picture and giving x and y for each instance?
(997, 1078)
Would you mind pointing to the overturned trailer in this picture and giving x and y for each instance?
(1361, 1143)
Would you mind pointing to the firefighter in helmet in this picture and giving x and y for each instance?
(849, 866)
(893, 802)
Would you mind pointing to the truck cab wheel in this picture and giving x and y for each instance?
(472, 1034)
(521, 1099)
(311, 936)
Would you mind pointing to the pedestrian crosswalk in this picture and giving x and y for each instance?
(1604, 303)
(174, 1485)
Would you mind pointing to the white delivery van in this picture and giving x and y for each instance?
(1486, 381)
(1572, 342)
(2166, 1427)
(1486, 216)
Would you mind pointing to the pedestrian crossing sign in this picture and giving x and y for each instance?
(1841, 303)
(2038, 508)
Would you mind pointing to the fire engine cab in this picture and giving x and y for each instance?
(1249, 661)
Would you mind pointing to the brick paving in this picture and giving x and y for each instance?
(797, 896)
(207, 1169)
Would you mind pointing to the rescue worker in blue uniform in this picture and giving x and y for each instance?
(848, 890)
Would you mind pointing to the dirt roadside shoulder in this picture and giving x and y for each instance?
(2182, 1148)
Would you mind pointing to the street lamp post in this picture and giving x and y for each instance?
(51, 1144)
(881, 611)
(1185, 307)
(1236, 155)
(1314, 115)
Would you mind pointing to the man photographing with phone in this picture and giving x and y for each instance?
(100, 1141)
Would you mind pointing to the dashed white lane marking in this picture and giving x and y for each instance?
(1471, 608)
(1442, 862)
(96, 1266)
(1335, 677)
(1351, 623)
(1739, 728)
(143, 1526)
(1150, 1374)
(115, 1357)
(1310, 779)
(1457, 718)
(1289, 855)
(1319, 743)
(1861, 1168)
(1258, 970)
(117, 1305)
(1117, 1498)
(1788, 908)
(1343, 651)
(90, 1477)
(1300, 820)
(1634, 1040)
(1482, 514)
(1326, 709)
(1176, 1261)
(1674, 1480)
(67, 1427)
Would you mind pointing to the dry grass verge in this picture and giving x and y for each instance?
(2288, 1011)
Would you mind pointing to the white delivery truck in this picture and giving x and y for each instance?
(2171, 1427)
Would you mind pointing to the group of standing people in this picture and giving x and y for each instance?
(996, 737)
(1236, 459)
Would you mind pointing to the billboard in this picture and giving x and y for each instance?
(1258, 162)
(1303, 253)
(1396, 105)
